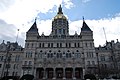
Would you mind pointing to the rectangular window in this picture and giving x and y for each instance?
(69, 44)
(51, 44)
(86, 45)
(32, 45)
(55, 31)
(88, 62)
(102, 58)
(48, 44)
(27, 45)
(93, 62)
(1, 58)
(60, 44)
(26, 54)
(30, 54)
(42, 44)
(30, 62)
(25, 63)
(66, 45)
(0, 65)
(39, 45)
(63, 31)
(8, 66)
(75, 44)
(57, 44)
(78, 44)
(90, 44)
(60, 31)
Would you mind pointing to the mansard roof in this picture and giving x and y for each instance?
(12, 46)
(85, 27)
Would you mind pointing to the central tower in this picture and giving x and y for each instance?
(60, 24)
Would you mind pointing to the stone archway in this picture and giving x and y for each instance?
(59, 73)
(40, 73)
(49, 72)
(69, 73)
(78, 73)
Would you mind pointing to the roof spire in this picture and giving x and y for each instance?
(35, 19)
(83, 18)
(60, 10)
(3, 41)
(85, 26)
(33, 27)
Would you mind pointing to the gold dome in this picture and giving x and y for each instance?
(60, 16)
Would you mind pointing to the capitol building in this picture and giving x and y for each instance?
(57, 56)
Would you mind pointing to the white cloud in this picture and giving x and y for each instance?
(85, 1)
(17, 13)
(111, 26)
(68, 4)
(5, 4)
(25, 10)
(45, 26)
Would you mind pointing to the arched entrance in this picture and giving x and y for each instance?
(40, 72)
(49, 72)
(78, 73)
(59, 73)
(68, 72)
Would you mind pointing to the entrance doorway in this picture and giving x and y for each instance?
(68, 72)
(40, 72)
(59, 73)
(49, 73)
(78, 73)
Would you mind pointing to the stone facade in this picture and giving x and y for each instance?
(109, 59)
(10, 59)
(59, 55)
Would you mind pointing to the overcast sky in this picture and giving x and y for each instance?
(20, 14)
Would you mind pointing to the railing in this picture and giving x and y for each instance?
(91, 66)
(27, 66)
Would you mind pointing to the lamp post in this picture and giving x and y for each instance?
(98, 65)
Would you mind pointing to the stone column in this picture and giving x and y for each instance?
(54, 74)
(44, 73)
(83, 72)
(64, 76)
(74, 73)
(34, 72)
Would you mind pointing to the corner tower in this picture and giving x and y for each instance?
(60, 24)
(32, 33)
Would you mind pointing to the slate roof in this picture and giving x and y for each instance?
(33, 28)
(85, 27)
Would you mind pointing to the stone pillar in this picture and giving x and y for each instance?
(54, 74)
(37, 75)
(64, 76)
(83, 72)
(74, 73)
(44, 73)
(34, 72)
